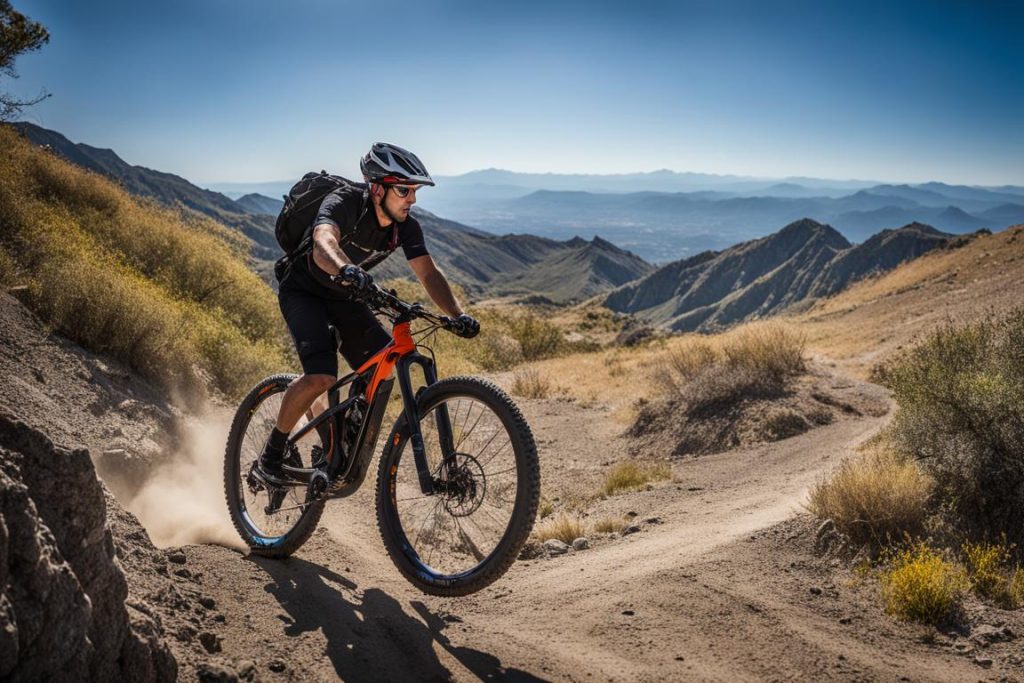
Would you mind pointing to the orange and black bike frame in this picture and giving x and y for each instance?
(346, 468)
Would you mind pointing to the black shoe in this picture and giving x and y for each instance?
(269, 468)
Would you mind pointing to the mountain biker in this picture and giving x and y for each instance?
(323, 287)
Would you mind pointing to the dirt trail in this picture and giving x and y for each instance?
(705, 593)
(725, 586)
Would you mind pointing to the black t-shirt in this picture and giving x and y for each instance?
(363, 240)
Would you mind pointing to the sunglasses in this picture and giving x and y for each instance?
(404, 191)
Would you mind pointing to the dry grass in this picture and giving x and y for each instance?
(546, 509)
(631, 476)
(873, 498)
(919, 584)
(564, 527)
(530, 383)
(608, 525)
(755, 360)
(173, 298)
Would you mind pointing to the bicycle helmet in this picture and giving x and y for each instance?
(390, 165)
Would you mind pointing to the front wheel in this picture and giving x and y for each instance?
(469, 531)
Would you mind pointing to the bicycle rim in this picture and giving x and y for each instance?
(457, 529)
(270, 514)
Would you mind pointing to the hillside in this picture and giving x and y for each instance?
(260, 204)
(805, 260)
(872, 319)
(166, 188)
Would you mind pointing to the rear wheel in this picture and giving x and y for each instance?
(272, 521)
(470, 530)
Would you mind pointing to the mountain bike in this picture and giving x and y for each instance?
(458, 482)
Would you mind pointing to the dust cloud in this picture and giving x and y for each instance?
(182, 502)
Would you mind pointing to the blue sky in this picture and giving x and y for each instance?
(226, 90)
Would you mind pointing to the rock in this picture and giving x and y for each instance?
(631, 514)
(62, 594)
(580, 543)
(654, 520)
(277, 666)
(986, 634)
(210, 641)
(177, 557)
(216, 672)
(531, 550)
(983, 662)
(628, 612)
(631, 529)
(246, 669)
(815, 590)
(207, 602)
(555, 547)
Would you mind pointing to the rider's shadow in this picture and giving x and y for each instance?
(367, 640)
(372, 639)
(486, 666)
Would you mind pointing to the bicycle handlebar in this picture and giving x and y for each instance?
(388, 303)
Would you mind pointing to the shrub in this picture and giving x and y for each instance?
(1017, 586)
(961, 415)
(784, 423)
(873, 498)
(565, 528)
(530, 383)
(546, 509)
(920, 585)
(755, 361)
(990, 571)
(629, 475)
(608, 525)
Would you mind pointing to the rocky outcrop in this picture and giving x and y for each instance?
(62, 593)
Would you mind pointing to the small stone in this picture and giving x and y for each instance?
(215, 672)
(210, 641)
(680, 658)
(631, 529)
(555, 547)
(654, 520)
(177, 557)
(183, 573)
(246, 668)
(580, 543)
(845, 620)
(277, 666)
(815, 590)
(207, 602)
(220, 618)
(631, 513)
(628, 612)
(983, 662)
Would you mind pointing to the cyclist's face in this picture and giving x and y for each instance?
(399, 206)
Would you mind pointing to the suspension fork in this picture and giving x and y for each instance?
(412, 417)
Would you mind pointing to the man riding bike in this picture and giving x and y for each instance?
(322, 287)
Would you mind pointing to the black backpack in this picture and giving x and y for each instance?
(300, 208)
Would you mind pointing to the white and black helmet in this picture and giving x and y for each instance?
(390, 165)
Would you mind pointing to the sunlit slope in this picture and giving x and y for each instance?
(174, 299)
(868, 321)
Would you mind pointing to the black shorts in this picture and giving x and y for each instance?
(308, 317)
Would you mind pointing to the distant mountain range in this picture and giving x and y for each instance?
(483, 263)
(802, 262)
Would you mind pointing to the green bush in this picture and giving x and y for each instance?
(961, 415)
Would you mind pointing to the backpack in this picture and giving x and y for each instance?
(300, 208)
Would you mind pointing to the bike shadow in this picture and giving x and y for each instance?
(369, 636)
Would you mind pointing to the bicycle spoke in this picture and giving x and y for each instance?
(465, 435)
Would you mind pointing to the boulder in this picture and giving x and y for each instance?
(62, 593)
